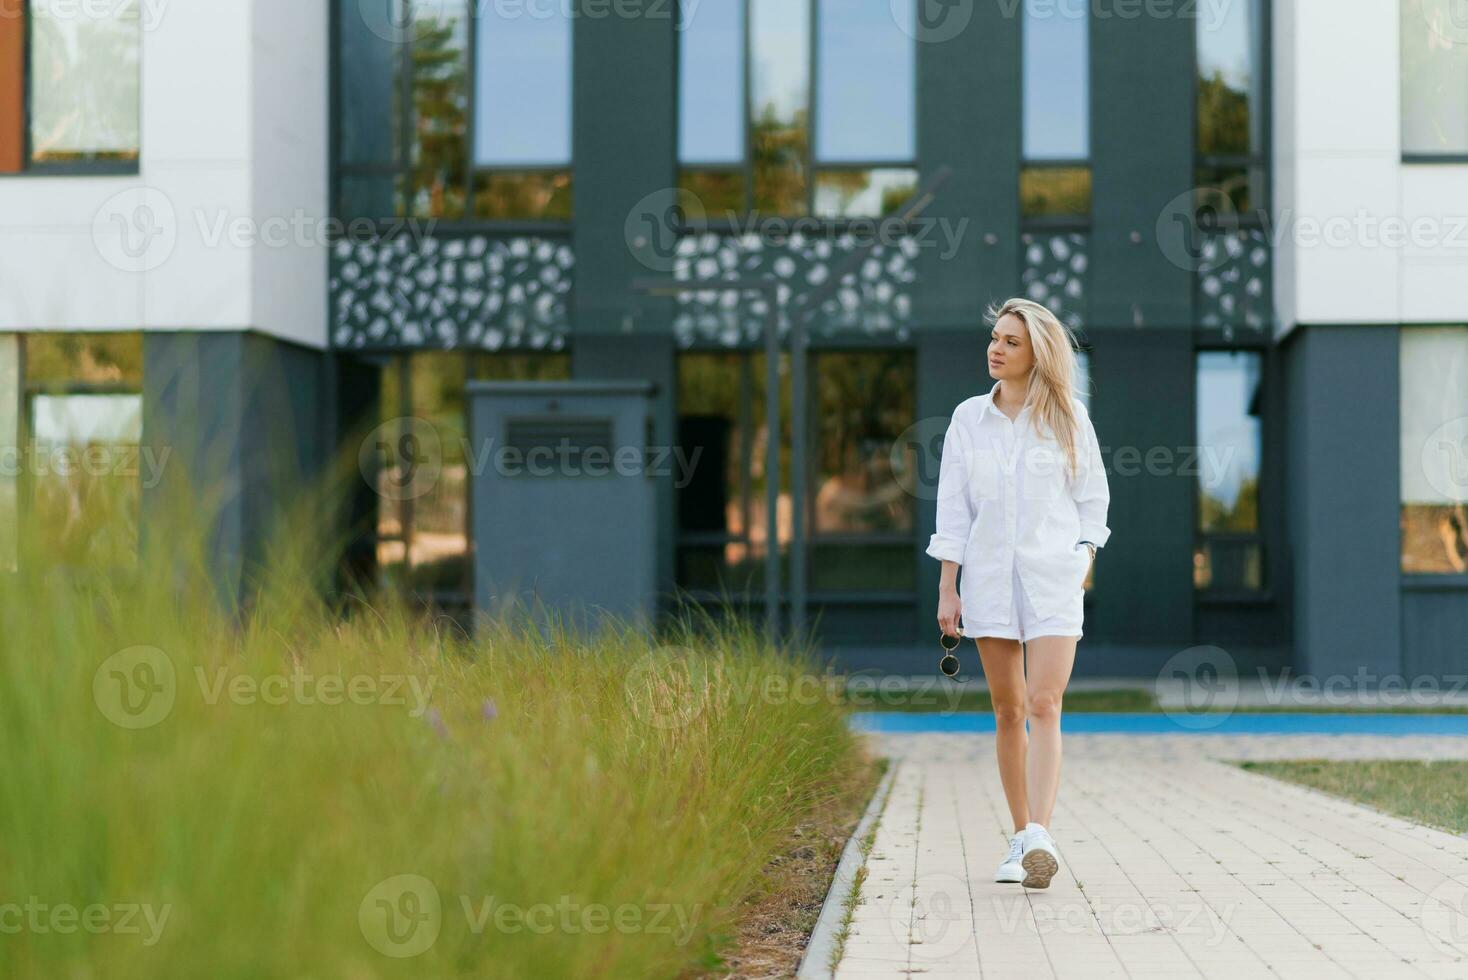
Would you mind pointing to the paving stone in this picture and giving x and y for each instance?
(1174, 862)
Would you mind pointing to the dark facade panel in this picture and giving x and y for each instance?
(1435, 633)
(1343, 499)
(969, 121)
(1142, 68)
(624, 118)
(1143, 411)
(240, 416)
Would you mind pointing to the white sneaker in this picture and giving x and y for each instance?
(1039, 860)
(1011, 871)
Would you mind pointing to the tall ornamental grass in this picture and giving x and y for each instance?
(306, 784)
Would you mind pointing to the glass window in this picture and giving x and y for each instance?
(369, 69)
(64, 360)
(867, 62)
(1231, 169)
(440, 53)
(1434, 464)
(408, 104)
(858, 164)
(861, 515)
(864, 193)
(1055, 182)
(523, 86)
(723, 531)
(423, 541)
(780, 101)
(1230, 80)
(1057, 67)
(1434, 77)
(711, 84)
(1055, 192)
(84, 422)
(1228, 557)
(84, 81)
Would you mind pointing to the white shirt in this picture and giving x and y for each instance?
(1006, 497)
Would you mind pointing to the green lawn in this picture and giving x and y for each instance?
(1432, 793)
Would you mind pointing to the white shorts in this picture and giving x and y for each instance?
(1025, 624)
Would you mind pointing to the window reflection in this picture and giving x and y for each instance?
(867, 65)
(722, 511)
(1055, 191)
(84, 422)
(780, 97)
(711, 84)
(1230, 82)
(1434, 77)
(1230, 447)
(1434, 448)
(407, 108)
(423, 542)
(861, 515)
(754, 58)
(523, 86)
(440, 107)
(864, 193)
(84, 81)
(541, 194)
(85, 486)
(1056, 87)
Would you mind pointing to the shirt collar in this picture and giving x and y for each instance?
(993, 393)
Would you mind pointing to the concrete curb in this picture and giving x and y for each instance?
(815, 963)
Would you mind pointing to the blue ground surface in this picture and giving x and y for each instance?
(1126, 723)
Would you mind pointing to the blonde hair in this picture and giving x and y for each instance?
(1051, 393)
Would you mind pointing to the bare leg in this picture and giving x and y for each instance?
(1004, 669)
(1051, 659)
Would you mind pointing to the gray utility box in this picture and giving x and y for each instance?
(563, 512)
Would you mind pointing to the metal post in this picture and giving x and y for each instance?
(772, 462)
(797, 479)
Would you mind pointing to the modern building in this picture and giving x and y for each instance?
(271, 226)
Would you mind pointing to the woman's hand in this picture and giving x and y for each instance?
(949, 610)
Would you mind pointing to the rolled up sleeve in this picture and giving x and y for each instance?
(1089, 488)
(955, 512)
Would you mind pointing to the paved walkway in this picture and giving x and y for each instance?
(1173, 864)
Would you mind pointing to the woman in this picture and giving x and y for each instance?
(1022, 499)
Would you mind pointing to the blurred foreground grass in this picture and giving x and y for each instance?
(290, 789)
